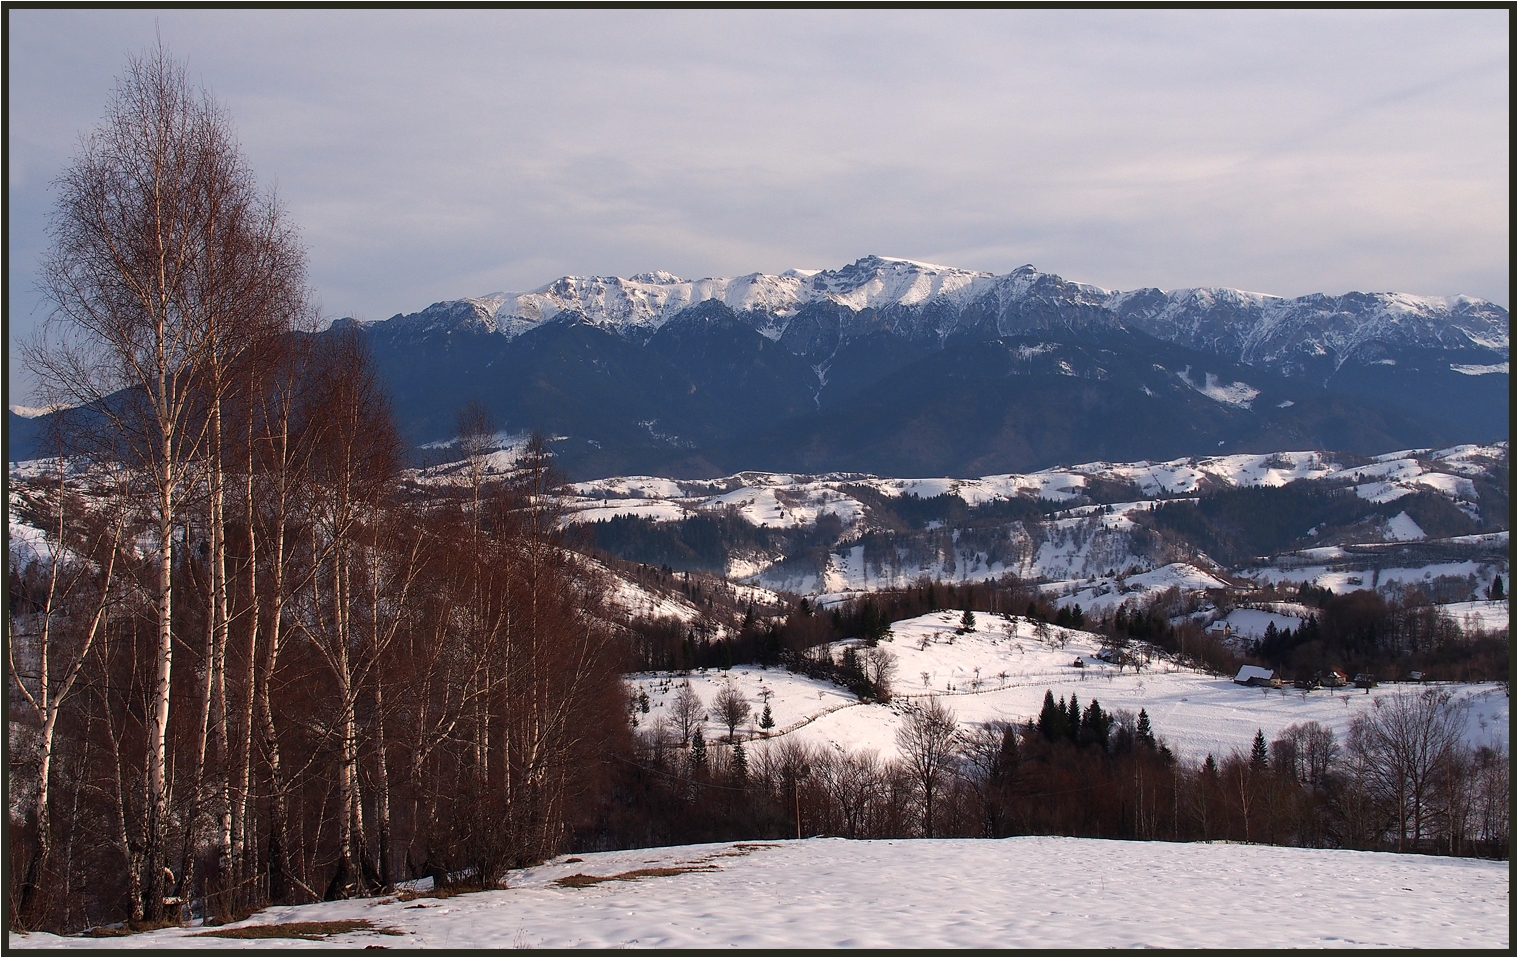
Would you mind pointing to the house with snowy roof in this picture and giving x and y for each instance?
(1254, 675)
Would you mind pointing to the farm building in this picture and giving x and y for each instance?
(1256, 676)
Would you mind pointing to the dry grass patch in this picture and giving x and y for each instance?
(101, 931)
(437, 891)
(585, 881)
(304, 930)
(582, 880)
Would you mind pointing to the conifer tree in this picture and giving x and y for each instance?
(1259, 754)
(1008, 759)
(1095, 725)
(1145, 733)
(766, 718)
(1073, 720)
(850, 664)
(697, 751)
(1051, 719)
(967, 621)
(740, 763)
(1270, 646)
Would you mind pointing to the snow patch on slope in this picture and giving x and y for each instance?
(1480, 370)
(1233, 394)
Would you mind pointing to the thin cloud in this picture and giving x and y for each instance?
(434, 154)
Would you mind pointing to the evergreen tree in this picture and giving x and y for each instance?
(1259, 754)
(874, 625)
(1073, 720)
(1052, 723)
(697, 752)
(1096, 725)
(1496, 592)
(1210, 768)
(1008, 759)
(766, 719)
(740, 763)
(1308, 631)
(967, 621)
(1145, 733)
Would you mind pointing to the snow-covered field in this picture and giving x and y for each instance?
(1481, 615)
(1254, 623)
(1032, 893)
(1347, 577)
(1106, 593)
(1000, 671)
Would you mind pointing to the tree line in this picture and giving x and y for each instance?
(250, 666)
(1403, 779)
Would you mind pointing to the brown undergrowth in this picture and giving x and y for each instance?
(581, 880)
(304, 930)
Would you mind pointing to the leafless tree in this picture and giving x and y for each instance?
(160, 242)
(990, 758)
(354, 467)
(46, 660)
(1306, 751)
(476, 429)
(853, 781)
(1406, 741)
(732, 708)
(879, 668)
(685, 710)
(928, 740)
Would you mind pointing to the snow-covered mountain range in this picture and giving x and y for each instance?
(919, 300)
(897, 367)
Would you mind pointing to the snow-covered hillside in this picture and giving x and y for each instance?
(1084, 553)
(1000, 672)
(1056, 485)
(779, 499)
(1029, 893)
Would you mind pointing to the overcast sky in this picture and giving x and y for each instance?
(431, 155)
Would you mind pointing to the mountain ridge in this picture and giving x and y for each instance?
(925, 301)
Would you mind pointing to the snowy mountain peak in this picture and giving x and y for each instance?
(879, 281)
(1255, 328)
(659, 276)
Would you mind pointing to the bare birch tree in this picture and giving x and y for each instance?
(45, 662)
(157, 242)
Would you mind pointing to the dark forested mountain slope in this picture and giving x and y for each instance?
(897, 367)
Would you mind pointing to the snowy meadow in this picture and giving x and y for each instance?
(1031, 893)
(1000, 671)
